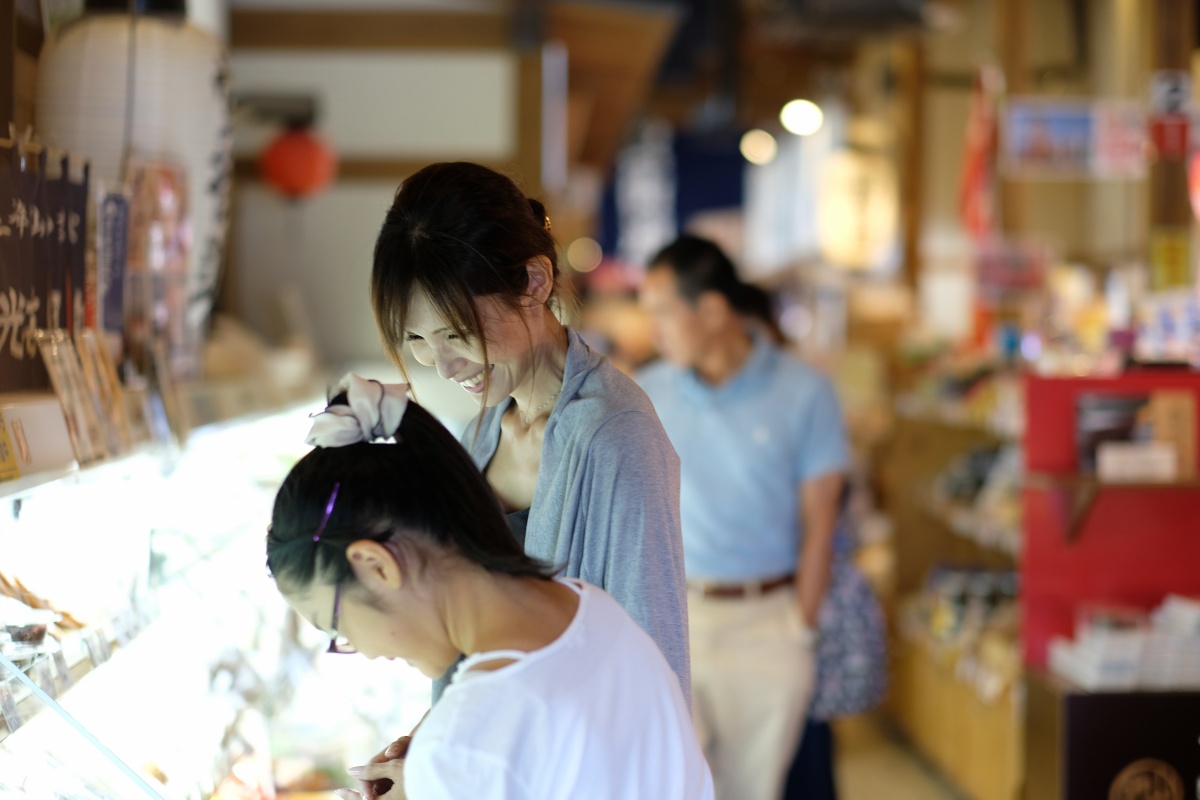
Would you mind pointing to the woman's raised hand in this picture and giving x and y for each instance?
(382, 778)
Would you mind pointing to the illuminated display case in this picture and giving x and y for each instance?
(163, 687)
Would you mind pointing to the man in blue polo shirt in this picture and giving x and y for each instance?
(763, 453)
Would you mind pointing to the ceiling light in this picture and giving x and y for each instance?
(759, 147)
(802, 117)
(584, 254)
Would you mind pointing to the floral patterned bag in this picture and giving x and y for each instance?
(852, 648)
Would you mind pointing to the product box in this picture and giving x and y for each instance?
(10, 470)
(1172, 416)
(1137, 462)
(37, 432)
(1148, 436)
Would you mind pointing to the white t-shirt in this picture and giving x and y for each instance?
(595, 715)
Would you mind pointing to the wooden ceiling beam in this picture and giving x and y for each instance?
(613, 55)
(368, 30)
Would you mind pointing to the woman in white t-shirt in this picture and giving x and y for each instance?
(400, 550)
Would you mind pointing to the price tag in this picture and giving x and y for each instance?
(98, 648)
(43, 676)
(8, 706)
(64, 671)
(123, 628)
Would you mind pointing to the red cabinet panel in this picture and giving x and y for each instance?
(1132, 547)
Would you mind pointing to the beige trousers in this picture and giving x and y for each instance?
(753, 671)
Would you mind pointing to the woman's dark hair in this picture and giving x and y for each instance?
(423, 487)
(701, 266)
(457, 231)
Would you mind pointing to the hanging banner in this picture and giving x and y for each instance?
(43, 228)
(977, 179)
(22, 296)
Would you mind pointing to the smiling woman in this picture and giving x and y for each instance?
(400, 550)
(466, 276)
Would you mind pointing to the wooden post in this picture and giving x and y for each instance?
(528, 162)
(1011, 20)
(913, 162)
(1170, 209)
(8, 65)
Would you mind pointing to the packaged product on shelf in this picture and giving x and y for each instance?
(978, 496)
(1125, 649)
(112, 249)
(1106, 651)
(1146, 437)
(10, 465)
(22, 629)
(12, 588)
(970, 615)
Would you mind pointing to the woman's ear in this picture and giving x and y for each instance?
(541, 280)
(375, 565)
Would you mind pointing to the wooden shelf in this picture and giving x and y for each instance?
(971, 525)
(1076, 494)
(977, 745)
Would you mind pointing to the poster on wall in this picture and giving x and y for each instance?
(1045, 139)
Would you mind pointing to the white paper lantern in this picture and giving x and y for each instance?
(180, 109)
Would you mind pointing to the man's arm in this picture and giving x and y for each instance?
(819, 502)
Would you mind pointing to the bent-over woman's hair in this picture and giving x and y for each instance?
(423, 489)
(457, 231)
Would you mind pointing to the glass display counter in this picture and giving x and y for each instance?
(165, 642)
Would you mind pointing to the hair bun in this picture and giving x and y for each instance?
(539, 212)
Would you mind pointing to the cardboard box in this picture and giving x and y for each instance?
(1173, 418)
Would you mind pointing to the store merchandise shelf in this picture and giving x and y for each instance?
(975, 742)
(1077, 494)
(1005, 427)
(976, 527)
(27, 484)
(211, 408)
(117, 467)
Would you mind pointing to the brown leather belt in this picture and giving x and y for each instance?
(734, 591)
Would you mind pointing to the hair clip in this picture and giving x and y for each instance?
(547, 223)
(328, 511)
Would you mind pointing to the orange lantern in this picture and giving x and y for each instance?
(298, 164)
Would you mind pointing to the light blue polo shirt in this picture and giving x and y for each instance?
(745, 447)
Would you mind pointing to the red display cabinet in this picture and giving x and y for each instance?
(1091, 543)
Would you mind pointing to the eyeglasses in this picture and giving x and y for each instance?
(338, 644)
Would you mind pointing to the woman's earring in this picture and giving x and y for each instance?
(547, 223)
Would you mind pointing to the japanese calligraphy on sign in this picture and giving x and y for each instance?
(43, 225)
